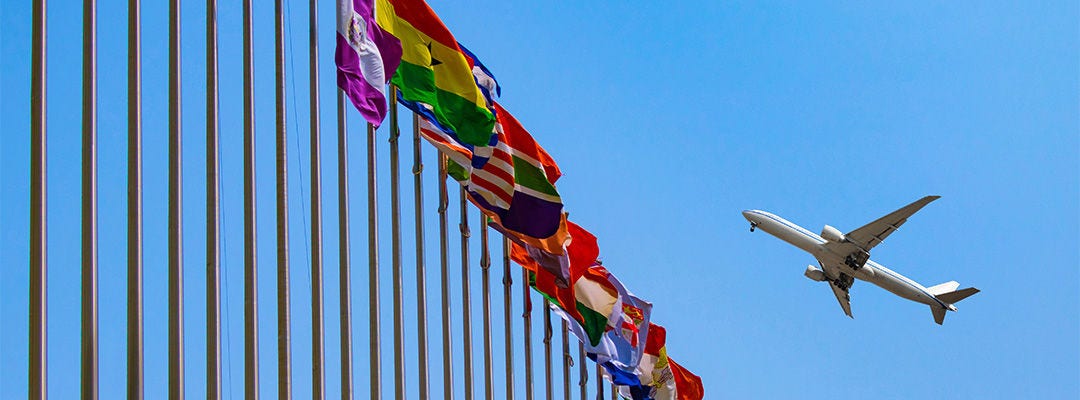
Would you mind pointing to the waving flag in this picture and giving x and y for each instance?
(657, 376)
(365, 56)
(435, 77)
(614, 322)
(516, 185)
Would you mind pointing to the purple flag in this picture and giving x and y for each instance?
(366, 57)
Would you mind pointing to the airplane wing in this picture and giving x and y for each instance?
(873, 233)
(840, 288)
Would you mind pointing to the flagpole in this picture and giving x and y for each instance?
(134, 207)
(583, 372)
(466, 313)
(444, 259)
(614, 392)
(344, 279)
(284, 345)
(566, 361)
(526, 332)
(375, 375)
(175, 227)
(318, 375)
(547, 349)
(395, 248)
(508, 347)
(251, 293)
(89, 204)
(421, 285)
(485, 275)
(38, 239)
(599, 383)
(213, 248)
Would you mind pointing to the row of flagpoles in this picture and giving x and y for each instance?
(481, 146)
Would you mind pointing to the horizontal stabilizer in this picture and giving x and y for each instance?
(953, 297)
(943, 288)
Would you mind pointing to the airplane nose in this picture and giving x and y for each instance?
(746, 214)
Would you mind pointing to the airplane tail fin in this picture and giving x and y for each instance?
(949, 298)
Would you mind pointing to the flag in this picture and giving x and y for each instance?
(615, 322)
(435, 77)
(516, 186)
(657, 376)
(580, 253)
(365, 56)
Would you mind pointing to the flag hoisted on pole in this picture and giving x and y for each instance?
(366, 56)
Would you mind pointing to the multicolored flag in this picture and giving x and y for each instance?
(602, 299)
(435, 77)
(365, 56)
(657, 376)
(516, 186)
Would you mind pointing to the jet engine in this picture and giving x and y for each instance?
(832, 234)
(814, 273)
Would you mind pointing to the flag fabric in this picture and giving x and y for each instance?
(625, 319)
(435, 78)
(657, 376)
(366, 56)
(516, 185)
(581, 253)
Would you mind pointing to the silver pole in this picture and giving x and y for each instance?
(485, 275)
(213, 247)
(599, 383)
(375, 377)
(421, 285)
(583, 373)
(527, 332)
(344, 279)
(134, 208)
(444, 259)
(284, 337)
(176, 232)
(251, 293)
(395, 245)
(318, 375)
(466, 309)
(567, 361)
(508, 347)
(38, 243)
(89, 204)
(547, 351)
(614, 392)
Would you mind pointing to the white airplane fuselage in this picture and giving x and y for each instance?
(815, 245)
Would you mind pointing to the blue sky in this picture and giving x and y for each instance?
(667, 120)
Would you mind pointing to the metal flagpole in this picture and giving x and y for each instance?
(395, 246)
(466, 309)
(583, 373)
(375, 377)
(176, 265)
(526, 332)
(213, 248)
(134, 208)
(508, 347)
(38, 243)
(89, 204)
(318, 376)
(485, 275)
(284, 340)
(567, 361)
(444, 259)
(251, 294)
(614, 392)
(547, 350)
(421, 285)
(599, 383)
(344, 279)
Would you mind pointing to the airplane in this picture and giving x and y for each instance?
(846, 257)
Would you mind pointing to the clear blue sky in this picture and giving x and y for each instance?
(667, 120)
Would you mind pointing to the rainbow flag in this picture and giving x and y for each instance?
(364, 55)
(434, 75)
